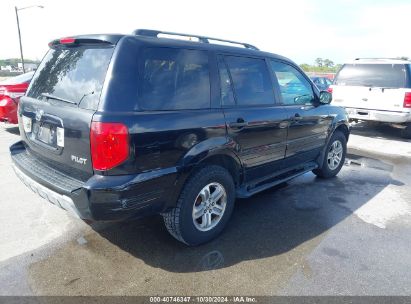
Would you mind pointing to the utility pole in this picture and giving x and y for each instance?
(18, 28)
(21, 47)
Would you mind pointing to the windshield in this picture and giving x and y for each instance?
(74, 74)
(23, 78)
(372, 75)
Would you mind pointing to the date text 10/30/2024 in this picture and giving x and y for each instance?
(203, 299)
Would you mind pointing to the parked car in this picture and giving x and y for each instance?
(11, 90)
(376, 90)
(321, 82)
(122, 126)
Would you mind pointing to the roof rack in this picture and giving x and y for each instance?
(400, 59)
(203, 39)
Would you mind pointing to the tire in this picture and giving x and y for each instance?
(184, 224)
(329, 167)
(406, 132)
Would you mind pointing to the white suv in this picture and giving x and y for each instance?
(375, 89)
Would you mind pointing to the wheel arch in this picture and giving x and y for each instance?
(341, 127)
(222, 156)
(226, 160)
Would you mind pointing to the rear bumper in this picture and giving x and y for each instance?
(100, 198)
(59, 200)
(376, 115)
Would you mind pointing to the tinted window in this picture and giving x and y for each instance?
(318, 81)
(294, 87)
(372, 75)
(174, 79)
(227, 96)
(75, 74)
(251, 79)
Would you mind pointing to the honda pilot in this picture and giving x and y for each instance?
(116, 127)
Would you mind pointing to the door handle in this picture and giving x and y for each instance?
(296, 117)
(240, 123)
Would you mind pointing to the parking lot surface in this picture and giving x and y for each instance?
(349, 235)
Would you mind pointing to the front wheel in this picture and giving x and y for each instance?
(334, 157)
(203, 208)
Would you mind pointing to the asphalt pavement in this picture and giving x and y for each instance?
(349, 235)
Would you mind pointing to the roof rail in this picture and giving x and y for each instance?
(379, 58)
(203, 39)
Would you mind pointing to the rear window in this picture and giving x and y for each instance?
(74, 74)
(174, 79)
(372, 75)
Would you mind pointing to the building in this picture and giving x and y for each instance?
(6, 68)
(27, 66)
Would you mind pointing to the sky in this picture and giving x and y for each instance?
(301, 30)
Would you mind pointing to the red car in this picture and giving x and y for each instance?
(10, 92)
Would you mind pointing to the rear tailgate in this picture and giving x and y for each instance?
(56, 113)
(350, 96)
(372, 98)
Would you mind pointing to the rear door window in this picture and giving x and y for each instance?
(174, 79)
(75, 74)
(372, 75)
(251, 79)
(227, 95)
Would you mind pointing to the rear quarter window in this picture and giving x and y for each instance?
(372, 75)
(174, 79)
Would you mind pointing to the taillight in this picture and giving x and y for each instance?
(330, 90)
(109, 144)
(6, 105)
(6, 101)
(67, 40)
(407, 100)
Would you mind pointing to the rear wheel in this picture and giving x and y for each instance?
(203, 208)
(334, 157)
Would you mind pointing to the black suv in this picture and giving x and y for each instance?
(121, 126)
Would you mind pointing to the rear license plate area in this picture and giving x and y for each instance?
(47, 134)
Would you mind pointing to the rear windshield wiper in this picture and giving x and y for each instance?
(49, 96)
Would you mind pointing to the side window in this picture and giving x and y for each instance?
(227, 95)
(174, 79)
(251, 79)
(294, 87)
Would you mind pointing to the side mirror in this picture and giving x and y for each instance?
(325, 97)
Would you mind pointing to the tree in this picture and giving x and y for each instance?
(328, 66)
(306, 67)
(328, 63)
(319, 62)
